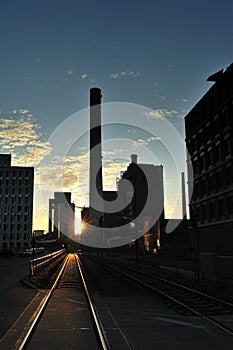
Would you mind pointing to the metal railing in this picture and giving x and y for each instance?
(38, 264)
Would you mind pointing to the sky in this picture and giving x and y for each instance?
(156, 54)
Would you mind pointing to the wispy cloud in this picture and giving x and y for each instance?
(144, 142)
(161, 113)
(20, 135)
(163, 98)
(125, 74)
(69, 73)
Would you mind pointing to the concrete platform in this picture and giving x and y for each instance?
(147, 324)
(66, 324)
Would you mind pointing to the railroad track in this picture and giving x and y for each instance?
(69, 289)
(182, 299)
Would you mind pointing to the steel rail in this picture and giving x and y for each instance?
(170, 298)
(178, 285)
(45, 300)
(99, 329)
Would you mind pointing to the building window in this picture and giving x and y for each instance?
(201, 164)
(229, 174)
(204, 212)
(211, 183)
(212, 213)
(208, 158)
(215, 127)
(219, 180)
(230, 205)
(225, 148)
(224, 120)
(221, 210)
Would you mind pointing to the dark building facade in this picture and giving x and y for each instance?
(16, 204)
(209, 142)
(137, 174)
(136, 196)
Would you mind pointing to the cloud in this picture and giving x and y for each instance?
(144, 142)
(21, 136)
(84, 76)
(161, 113)
(111, 171)
(69, 73)
(153, 138)
(24, 111)
(125, 74)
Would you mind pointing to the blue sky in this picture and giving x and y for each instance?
(153, 53)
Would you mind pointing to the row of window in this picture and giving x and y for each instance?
(212, 156)
(14, 209)
(14, 236)
(15, 199)
(211, 131)
(16, 218)
(216, 209)
(9, 182)
(215, 182)
(14, 191)
(206, 108)
(6, 227)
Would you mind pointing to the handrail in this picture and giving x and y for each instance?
(38, 264)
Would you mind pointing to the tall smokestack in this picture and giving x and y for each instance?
(96, 182)
(183, 196)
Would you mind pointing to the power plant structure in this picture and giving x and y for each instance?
(141, 176)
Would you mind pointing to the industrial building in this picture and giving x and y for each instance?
(61, 215)
(146, 183)
(209, 142)
(16, 204)
(138, 174)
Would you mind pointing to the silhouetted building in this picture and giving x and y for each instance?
(140, 175)
(209, 141)
(16, 204)
(136, 196)
(111, 209)
(61, 215)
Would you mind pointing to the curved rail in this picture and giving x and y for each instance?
(178, 285)
(171, 298)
